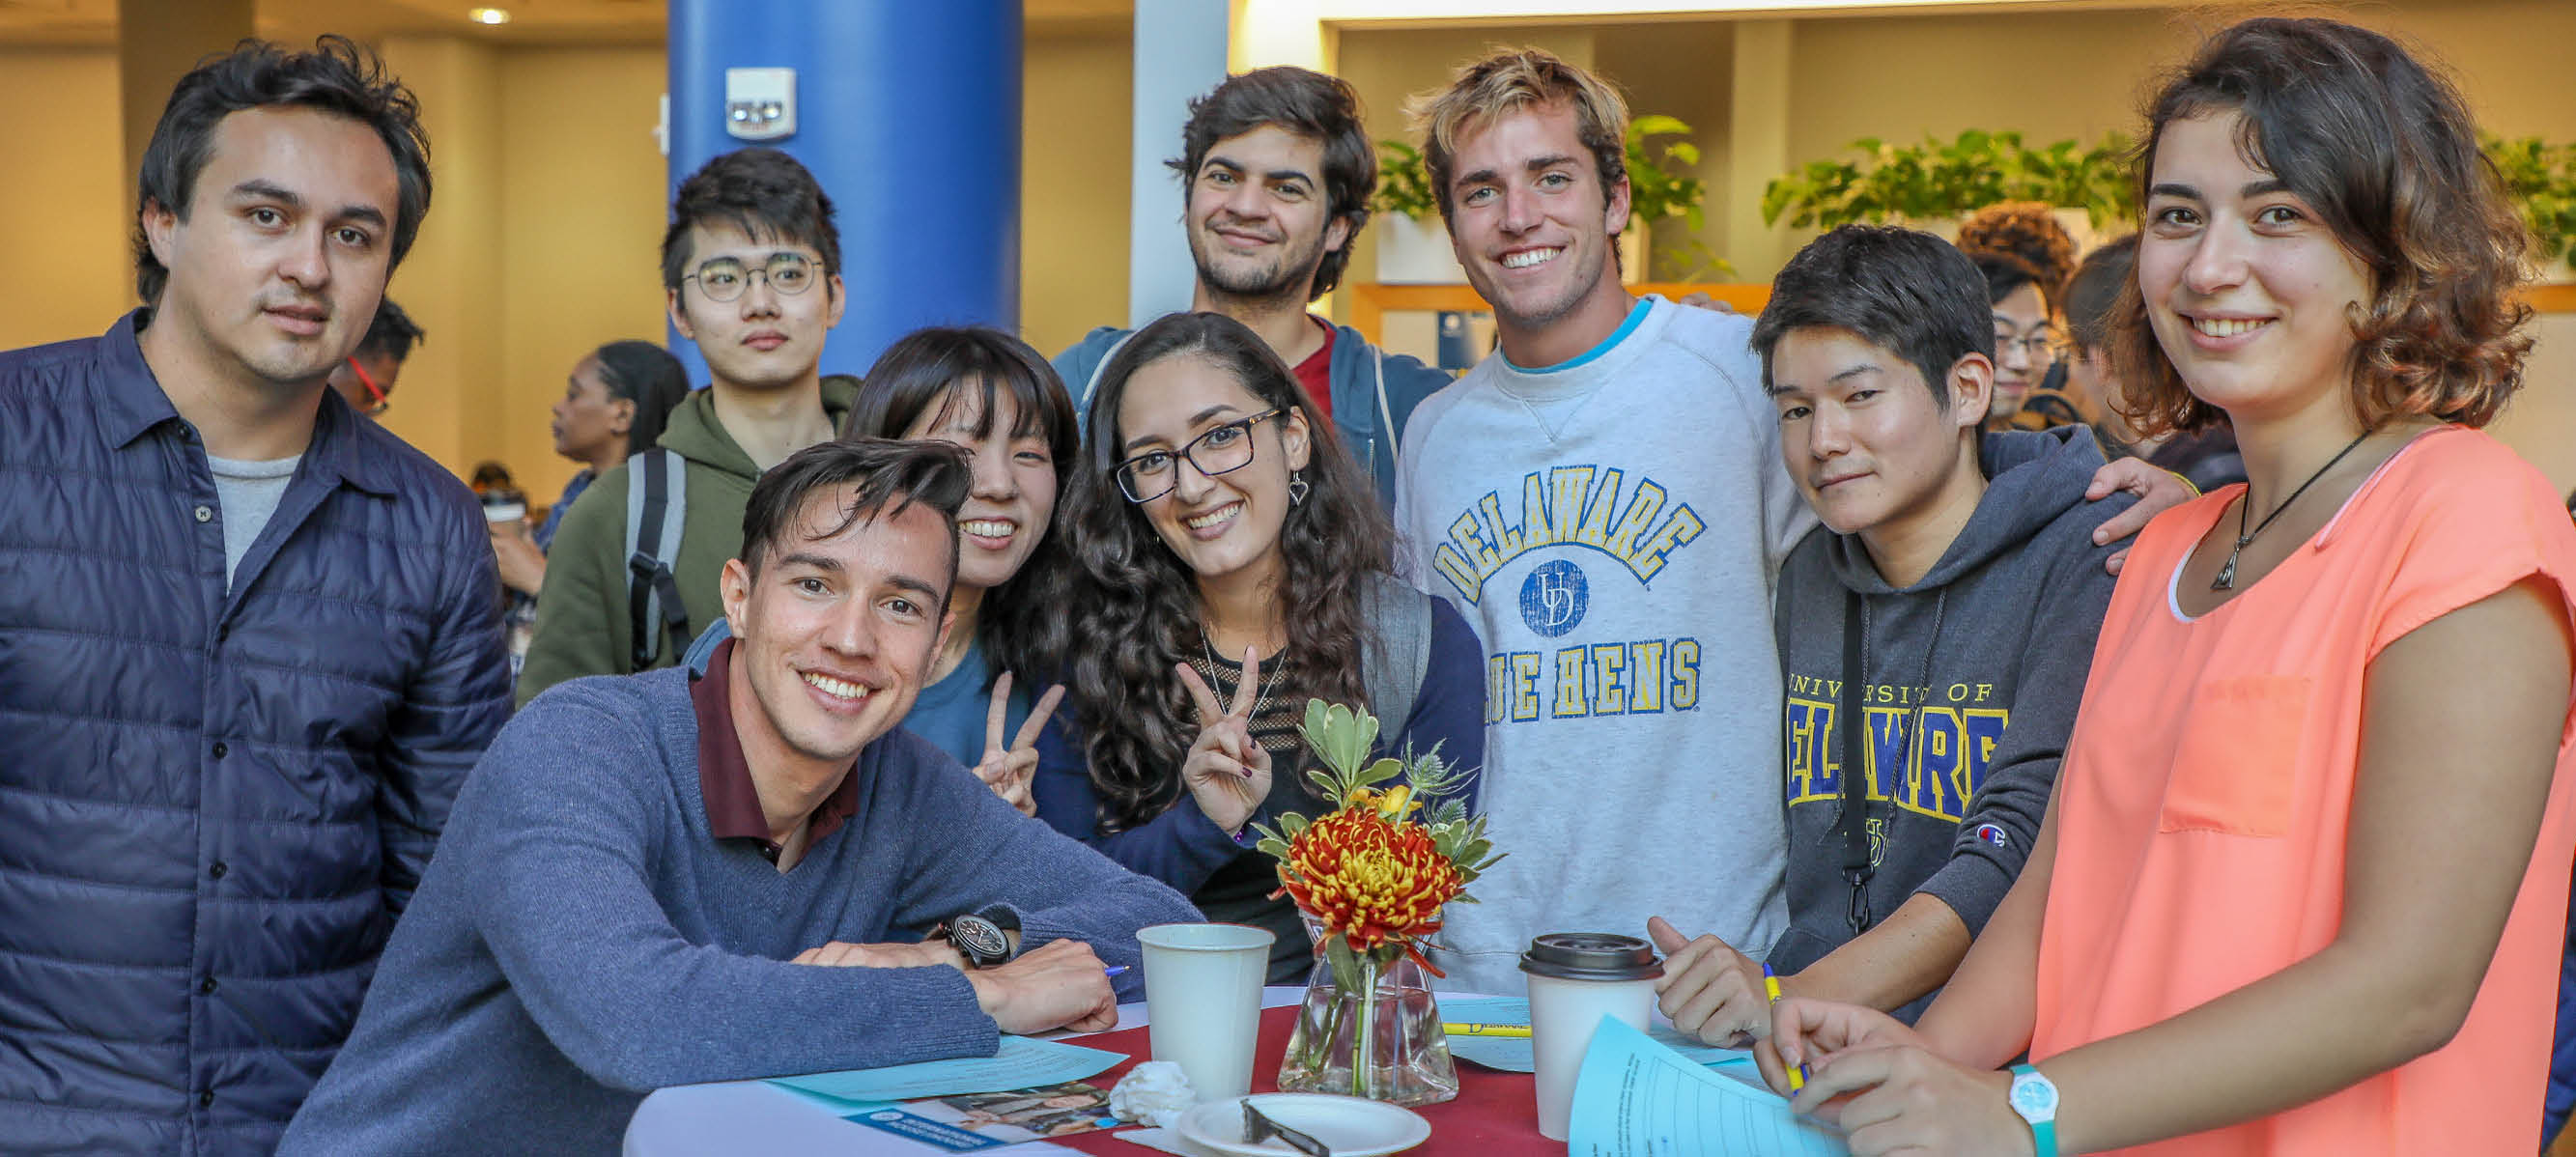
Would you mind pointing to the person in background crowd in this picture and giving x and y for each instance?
(2025, 335)
(249, 637)
(615, 403)
(990, 395)
(1276, 171)
(1941, 617)
(674, 878)
(2027, 230)
(2206, 458)
(365, 379)
(1604, 500)
(2304, 883)
(2085, 307)
(2561, 1099)
(491, 475)
(751, 267)
(1228, 565)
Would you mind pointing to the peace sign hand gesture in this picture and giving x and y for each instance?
(1225, 770)
(1008, 770)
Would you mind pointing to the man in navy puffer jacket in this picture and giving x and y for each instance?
(248, 640)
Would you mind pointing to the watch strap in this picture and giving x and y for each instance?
(2043, 1130)
(980, 939)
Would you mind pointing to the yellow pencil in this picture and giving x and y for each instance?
(1485, 1029)
(1771, 993)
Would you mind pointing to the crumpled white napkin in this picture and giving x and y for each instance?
(1155, 1092)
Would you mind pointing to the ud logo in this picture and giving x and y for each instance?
(1554, 598)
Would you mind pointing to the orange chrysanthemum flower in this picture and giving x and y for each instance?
(1373, 881)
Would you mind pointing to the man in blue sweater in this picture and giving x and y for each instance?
(1276, 171)
(668, 879)
(1935, 631)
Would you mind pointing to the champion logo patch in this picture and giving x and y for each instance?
(1993, 835)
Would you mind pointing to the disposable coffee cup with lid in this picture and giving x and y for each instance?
(1576, 979)
(1602, 956)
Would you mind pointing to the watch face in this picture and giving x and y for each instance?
(980, 939)
(2033, 1097)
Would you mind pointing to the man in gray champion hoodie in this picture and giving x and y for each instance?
(1975, 590)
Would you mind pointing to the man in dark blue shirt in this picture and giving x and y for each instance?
(248, 640)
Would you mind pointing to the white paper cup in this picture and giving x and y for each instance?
(1575, 979)
(1203, 1001)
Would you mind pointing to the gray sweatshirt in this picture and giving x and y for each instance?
(1610, 527)
(1970, 680)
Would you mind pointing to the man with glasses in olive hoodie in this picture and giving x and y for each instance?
(751, 264)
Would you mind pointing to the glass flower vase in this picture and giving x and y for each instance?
(1369, 1028)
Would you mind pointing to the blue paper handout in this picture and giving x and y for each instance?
(1637, 1098)
(1021, 1063)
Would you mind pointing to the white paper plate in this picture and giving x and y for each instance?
(1351, 1126)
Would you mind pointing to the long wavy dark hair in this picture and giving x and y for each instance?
(1128, 610)
(929, 370)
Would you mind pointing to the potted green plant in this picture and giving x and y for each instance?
(2540, 178)
(1412, 243)
(1661, 188)
(1941, 180)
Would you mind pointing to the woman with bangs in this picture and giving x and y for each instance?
(997, 400)
(2303, 881)
(1229, 562)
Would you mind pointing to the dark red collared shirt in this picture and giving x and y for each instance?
(1316, 373)
(724, 777)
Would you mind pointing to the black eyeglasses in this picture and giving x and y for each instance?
(2039, 346)
(1223, 450)
(724, 278)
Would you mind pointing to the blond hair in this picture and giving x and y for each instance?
(1506, 82)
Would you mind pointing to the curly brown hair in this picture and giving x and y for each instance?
(2027, 230)
(2386, 153)
(1127, 609)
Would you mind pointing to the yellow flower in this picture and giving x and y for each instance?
(1395, 803)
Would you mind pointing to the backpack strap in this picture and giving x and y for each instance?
(1398, 654)
(1385, 412)
(1082, 405)
(657, 499)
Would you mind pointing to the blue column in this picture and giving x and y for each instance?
(908, 112)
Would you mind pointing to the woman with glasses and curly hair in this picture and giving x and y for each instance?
(2302, 884)
(1229, 562)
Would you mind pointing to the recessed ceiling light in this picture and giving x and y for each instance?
(488, 15)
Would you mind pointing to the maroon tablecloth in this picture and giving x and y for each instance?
(1494, 1115)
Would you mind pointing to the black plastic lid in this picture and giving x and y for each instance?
(1592, 956)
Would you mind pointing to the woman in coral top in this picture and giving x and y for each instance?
(2302, 884)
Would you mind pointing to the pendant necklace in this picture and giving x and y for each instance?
(2226, 579)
